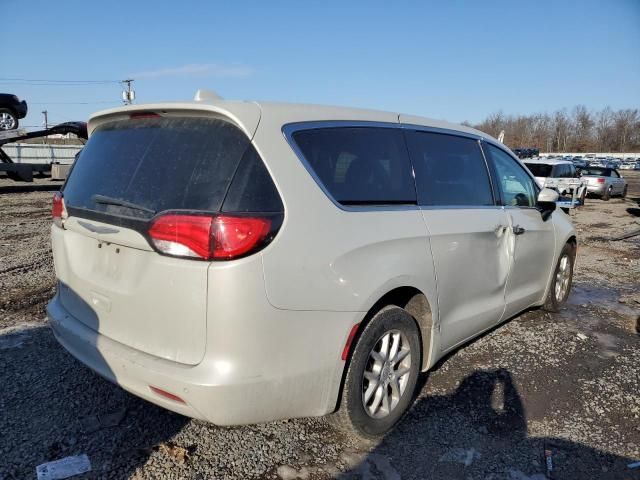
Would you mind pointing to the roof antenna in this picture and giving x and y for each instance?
(203, 95)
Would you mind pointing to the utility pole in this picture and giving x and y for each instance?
(128, 95)
(46, 123)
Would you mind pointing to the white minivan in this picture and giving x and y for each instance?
(241, 262)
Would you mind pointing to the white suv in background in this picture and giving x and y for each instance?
(559, 175)
(244, 262)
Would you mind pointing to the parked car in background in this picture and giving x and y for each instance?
(579, 162)
(559, 175)
(11, 111)
(245, 262)
(526, 152)
(604, 182)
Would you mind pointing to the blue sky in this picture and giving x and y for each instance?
(455, 60)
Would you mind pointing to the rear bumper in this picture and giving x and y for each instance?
(598, 189)
(133, 370)
(216, 390)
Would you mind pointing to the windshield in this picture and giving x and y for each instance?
(539, 169)
(137, 167)
(595, 171)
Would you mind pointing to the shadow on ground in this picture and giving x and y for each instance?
(480, 431)
(71, 404)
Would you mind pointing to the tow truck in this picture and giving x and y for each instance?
(25, 171)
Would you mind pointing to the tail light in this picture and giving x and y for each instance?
(600, 180)
(215, 237)
(57, 208)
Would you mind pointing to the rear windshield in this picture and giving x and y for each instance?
(136, 168)
(539, 169)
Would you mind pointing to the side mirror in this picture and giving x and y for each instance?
(548, 195)
(547, 199)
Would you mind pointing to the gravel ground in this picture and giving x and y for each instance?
(565, 382)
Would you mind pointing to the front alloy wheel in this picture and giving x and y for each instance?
(561, 279)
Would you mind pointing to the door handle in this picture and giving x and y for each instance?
(518, 230)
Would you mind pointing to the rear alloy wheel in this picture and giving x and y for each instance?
(624, 192)
(607, 194)
(381, 376)
(386, 374)
(8, 120)
(561, 280)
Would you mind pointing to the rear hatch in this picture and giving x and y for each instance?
(112, 276)
(593, 180)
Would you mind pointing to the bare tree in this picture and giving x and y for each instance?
(623, 123)
(604, 130)
(577, 131)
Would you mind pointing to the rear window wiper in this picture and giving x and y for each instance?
(104, 200)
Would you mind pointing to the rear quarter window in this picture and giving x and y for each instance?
(359, 165)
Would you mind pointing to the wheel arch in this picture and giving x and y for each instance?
(416, 303)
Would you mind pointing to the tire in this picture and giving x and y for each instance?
(369, 418)
(8, 119)
(607, 195)
(624, 192)
(561, 280)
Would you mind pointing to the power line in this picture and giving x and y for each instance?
(74, 103)
(22, 84)
(72, 82)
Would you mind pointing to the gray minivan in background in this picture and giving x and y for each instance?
(242, 262)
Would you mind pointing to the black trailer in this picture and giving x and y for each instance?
(25, 171)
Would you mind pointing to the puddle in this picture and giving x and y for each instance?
(601, 316)
(601, 297)
(609, 344)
